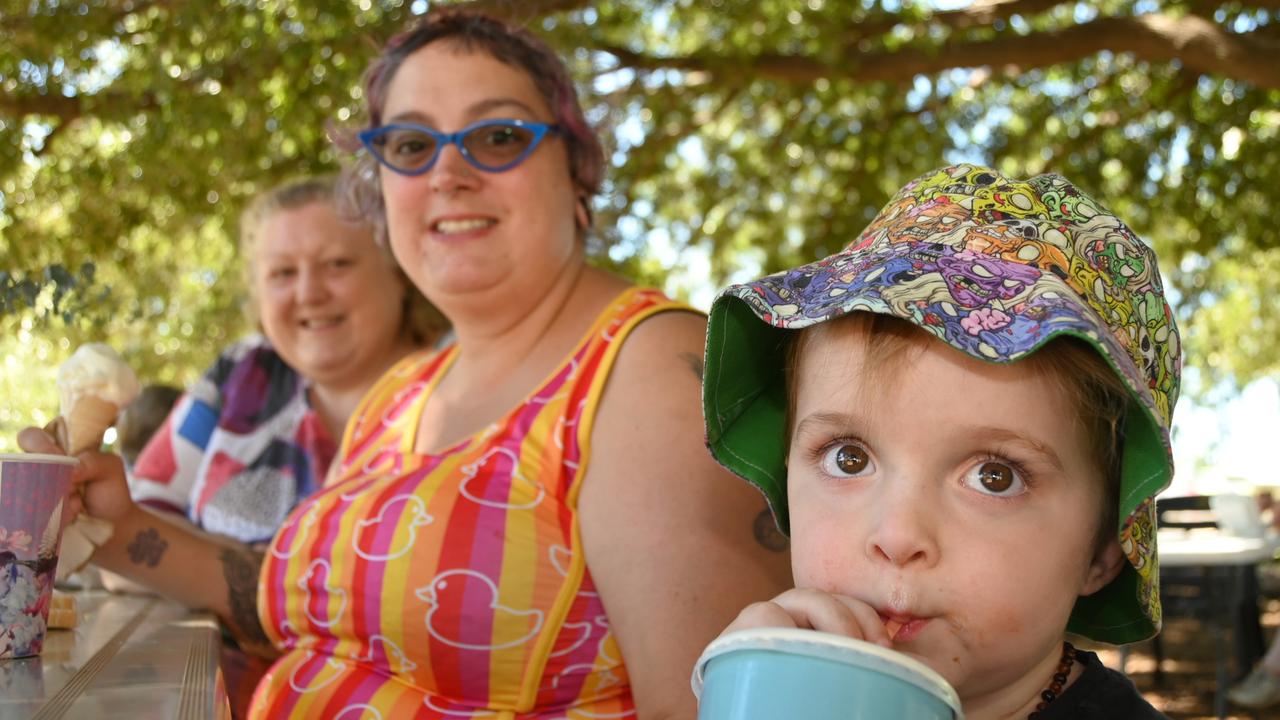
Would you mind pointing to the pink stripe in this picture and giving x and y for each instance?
(475, 536)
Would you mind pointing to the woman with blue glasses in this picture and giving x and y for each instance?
(525, 524)
(490, 145)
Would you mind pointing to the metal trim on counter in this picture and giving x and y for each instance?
(128, 657)
(58, 705)
(199, 681)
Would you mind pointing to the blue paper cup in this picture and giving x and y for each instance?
(32, 491)
(770, 673)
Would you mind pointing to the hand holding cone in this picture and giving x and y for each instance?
(94, 384)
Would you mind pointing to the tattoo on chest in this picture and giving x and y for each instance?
(767, 533)
(695, 364)
(147, 548)
(240, 568)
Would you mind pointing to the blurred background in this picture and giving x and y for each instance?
(744, 135)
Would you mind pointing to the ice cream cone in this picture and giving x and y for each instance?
(87, 420)
(93, 384)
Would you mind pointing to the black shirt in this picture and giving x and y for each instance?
(1100, 693)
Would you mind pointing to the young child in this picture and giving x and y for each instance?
(962, 419)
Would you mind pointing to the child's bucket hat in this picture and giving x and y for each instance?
(995, 267)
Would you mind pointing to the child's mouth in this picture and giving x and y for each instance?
(902, 628)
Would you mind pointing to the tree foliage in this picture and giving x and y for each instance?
(744, 135)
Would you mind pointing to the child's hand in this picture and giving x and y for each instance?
(811, 609)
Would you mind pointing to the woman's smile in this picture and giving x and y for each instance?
(462, 226)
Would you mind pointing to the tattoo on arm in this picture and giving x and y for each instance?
(695, 364)
(767, 533)
(240, 568)
(147, 548)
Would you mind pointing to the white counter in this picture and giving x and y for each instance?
(1201, 547)
(129, 657)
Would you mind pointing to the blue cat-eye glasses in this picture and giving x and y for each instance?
(490, 145)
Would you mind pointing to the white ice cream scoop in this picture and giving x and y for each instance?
(93, 385)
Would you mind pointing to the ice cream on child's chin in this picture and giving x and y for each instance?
(93, 385)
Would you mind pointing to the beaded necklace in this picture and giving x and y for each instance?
(1052, 692)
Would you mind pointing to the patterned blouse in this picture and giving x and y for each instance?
(240, 449)
(451, 585)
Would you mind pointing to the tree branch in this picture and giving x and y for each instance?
(24, 35)
(980, 13)
(524, 11)
(1195, 41)
(1255, 4)
(986, 12)
(69, 109)
(19, 106)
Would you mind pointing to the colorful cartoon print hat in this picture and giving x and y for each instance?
(995, 267)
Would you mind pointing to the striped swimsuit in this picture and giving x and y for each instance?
(451, 585)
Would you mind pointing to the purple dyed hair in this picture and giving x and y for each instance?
(514, 46)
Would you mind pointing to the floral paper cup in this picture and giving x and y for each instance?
(786, 673)
(32, 490)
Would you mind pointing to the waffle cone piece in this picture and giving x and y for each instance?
(87, 421)
(62, 611)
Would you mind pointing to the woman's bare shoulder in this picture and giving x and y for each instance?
(669, 342)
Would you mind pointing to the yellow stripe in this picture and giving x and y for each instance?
(382, 391)
(587, 421)
(536, 665)
(409, 421)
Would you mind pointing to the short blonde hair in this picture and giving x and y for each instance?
(422, 323)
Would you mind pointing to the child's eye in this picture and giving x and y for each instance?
(994, 477)
(845, 459)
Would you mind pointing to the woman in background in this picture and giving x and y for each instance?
(257, 433)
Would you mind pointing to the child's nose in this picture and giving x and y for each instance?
(904, 531)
